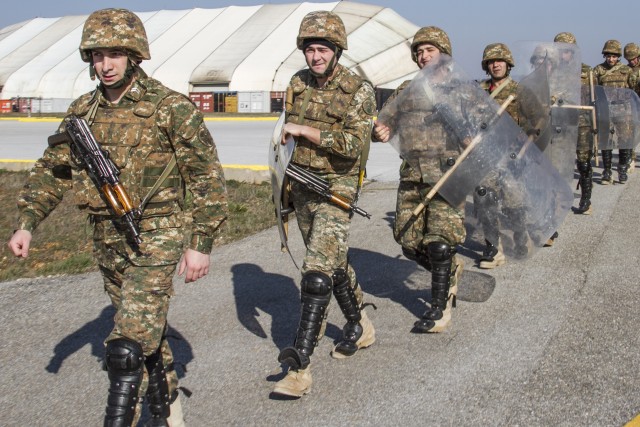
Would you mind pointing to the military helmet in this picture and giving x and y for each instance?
(631, 51)
(613, 47)
(322, 25)
(431, 35)
(498, 51)
(114, 28)
(565, 38)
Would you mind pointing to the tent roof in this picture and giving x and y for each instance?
(240, 48)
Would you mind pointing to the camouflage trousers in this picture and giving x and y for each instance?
(438, 222)
(585, 140)
(140, 284)
(325, 229)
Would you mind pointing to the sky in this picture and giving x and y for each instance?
(470, 24)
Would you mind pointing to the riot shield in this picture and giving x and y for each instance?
(443, 114)
(553, 79)
(624, 119)
(603, 121)
(279, 157)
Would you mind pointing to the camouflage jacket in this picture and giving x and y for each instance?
(343, 111)
(619, 75)
(141, 133)
(635, 79)
(510, 88)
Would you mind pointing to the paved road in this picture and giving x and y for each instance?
(552, 341)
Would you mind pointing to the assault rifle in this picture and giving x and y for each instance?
(103, 173)
(320, 186)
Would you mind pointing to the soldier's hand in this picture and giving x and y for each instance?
(380, 132)
(20, 242)
(194, 264)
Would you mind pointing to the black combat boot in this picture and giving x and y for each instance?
(624, 157)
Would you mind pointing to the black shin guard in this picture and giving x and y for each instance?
(586, 185)
(485, 201)
(158, 397)
(441, 259)
(124, 360)
(624, 157)
(346, 299)
(607, 158)
(315, 295)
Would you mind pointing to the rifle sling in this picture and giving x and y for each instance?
(165, 174)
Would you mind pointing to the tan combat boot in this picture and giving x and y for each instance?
(176, 418)
(296, 383)
(492, 256)
(367, 338)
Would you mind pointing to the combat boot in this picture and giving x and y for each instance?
(492, 256)
(606, 177)
(368, 337)
(176, 418)
(444, 287)
(296, 383)
(551, 240)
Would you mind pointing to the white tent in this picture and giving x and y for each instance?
(227, 49)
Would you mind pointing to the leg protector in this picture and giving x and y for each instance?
(316, 294)
(124, 361)
(485, 201)
(434, 319)
(586, 185)
(607, 157)
(158, 390)
(624, 157)
(346, 299)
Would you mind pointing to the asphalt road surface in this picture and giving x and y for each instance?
(551, 341)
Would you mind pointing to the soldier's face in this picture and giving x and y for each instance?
(318, 57)
(427, 53)
(110, 65)
(611, 59)
(634, 62)
(497, 69)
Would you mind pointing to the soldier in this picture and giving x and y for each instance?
(432, 237)
(142, 125)
(329, 113)
(612, 73)
(632, 55)
(497, 62)
(584, 150)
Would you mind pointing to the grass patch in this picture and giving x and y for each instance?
(62, 243)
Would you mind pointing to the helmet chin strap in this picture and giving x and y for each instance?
(332, 65)
(128, 75)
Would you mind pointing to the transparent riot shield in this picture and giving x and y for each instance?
(624, 125)
(553, 79)
(445, 126)
(279, 157)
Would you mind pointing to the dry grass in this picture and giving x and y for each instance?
(62, 243)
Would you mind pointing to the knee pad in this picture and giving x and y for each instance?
(316, 283)
(124, 356)
(485, 197)
(584, 167)
(439, 251)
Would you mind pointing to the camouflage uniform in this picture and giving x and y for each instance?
(342, 110)
(617, 76)
(431, 238)
(141, 133)
(632, 53)
(584, 150)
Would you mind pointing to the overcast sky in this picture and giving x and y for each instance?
(471, 24)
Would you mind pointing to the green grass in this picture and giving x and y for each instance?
(62, 243)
